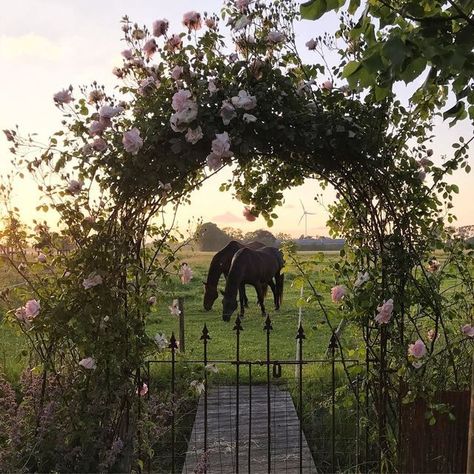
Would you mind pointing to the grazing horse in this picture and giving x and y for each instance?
(257, 268)
(220, 264)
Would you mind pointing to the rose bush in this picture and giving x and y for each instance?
(187, 107)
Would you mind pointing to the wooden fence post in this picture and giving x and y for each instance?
(182, 346)
(470, 442)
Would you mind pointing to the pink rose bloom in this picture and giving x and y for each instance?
(327, 85)
(244, 101)
(160, 27)
(211, 87)
(147, 85)
(108, 112)
(138, 34)
(180, 120)
(311, 44)
(99, 144)
(176, 72)
(248, 214)
(95, 96)
(249, 118)
(337, 293)
(42, 258)
(221, 145)
(174, 308)
(193, 136)
(185, 273)
(127, 53)
(433, 265)
(152, 300)
(32, 309)
(275, 37)
(92, 280)
(417, 350)
(63, 97)
(88, 363)
(20, 314)
(214, 162)
(211, 23)
(242, 4)
(149, 48)
(97, 128)
(242, 23)
(192, 20)
(118, 72)
(468, 330)
(132, 141)
(180, 100)
(227, 112)
(385, 312)
(174, 42)
(143, 390)
(75, 187)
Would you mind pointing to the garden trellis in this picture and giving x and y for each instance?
(118, 161)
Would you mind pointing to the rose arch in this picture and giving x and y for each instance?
(189, 106)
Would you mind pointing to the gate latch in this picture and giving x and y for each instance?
(276, 370)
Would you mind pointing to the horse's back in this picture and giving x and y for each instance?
(274, 253)
(255, 245)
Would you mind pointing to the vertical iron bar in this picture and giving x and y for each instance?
(250, 416)
(332, 347)
(237, 329)
(173, 346)
(139, 415)
(182, 344)
(358, 421)
(268, 327)
(205, 338)
(299, 337)
(148, 398)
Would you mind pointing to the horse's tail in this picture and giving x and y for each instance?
(279, 283)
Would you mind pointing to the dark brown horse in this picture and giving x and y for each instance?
(257, 268)
(220, 264)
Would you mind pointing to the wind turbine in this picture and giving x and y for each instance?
(305, 216)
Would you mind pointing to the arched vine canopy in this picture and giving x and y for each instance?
(188, 105)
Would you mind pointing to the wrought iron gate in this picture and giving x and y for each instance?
(259, 396)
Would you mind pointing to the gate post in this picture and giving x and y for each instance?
(299, 337)
(332, 348)
(268, 327)
(205, 338)
(237, 328)
(182, 346)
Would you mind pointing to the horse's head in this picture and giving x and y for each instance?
(229, 305)
(210, 295)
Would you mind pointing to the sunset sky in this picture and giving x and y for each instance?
(45, 45)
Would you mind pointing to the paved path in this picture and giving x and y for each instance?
(221, 433)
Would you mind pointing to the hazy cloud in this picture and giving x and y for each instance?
(226, 218)
(30, 46)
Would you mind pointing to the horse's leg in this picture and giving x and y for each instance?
(275, 293)
(244, 295)
(260, 295)
(242, 299)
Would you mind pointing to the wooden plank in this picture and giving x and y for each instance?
(221, 433)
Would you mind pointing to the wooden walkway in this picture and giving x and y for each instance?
(221, 433)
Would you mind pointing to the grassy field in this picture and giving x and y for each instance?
(253, 339)
(13, 354)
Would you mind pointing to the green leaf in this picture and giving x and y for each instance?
(353, 6)
(454, 111)
(313, 9)
(395, 51)
(350, 68)
(413, 69)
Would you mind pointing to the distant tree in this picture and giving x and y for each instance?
(261, 235)
(233, 233)
(210, 238)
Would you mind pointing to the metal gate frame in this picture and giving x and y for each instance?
(273, 369)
